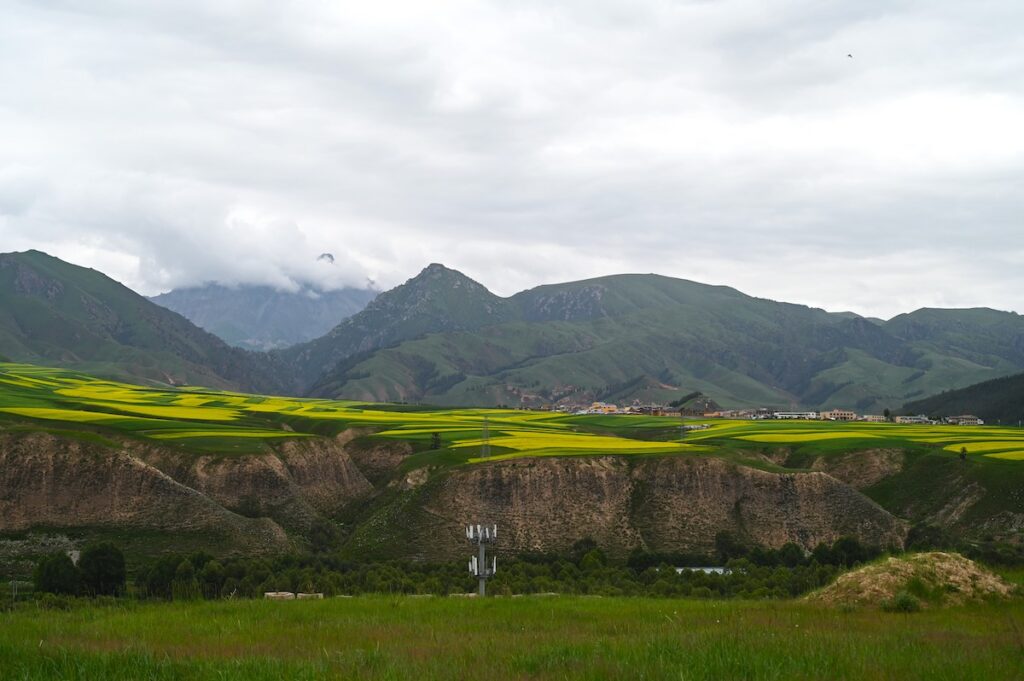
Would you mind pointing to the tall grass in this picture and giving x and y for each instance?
(522, 638)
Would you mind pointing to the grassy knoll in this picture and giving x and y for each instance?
(525, 638)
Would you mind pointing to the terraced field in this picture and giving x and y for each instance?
(206, 419)
(988, 441)
(213, 420)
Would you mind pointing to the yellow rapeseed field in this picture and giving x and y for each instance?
(61, 414)
(180, 414)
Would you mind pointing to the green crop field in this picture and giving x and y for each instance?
(510, 638)
(214, 420)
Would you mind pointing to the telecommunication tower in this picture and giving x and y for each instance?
(481, 536)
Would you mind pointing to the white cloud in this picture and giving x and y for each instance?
(731, 142)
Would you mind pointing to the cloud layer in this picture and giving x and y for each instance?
(731, 142)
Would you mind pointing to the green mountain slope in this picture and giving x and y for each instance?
(261, 317)
(997, 401)
(437, 299)
(58, 313)
(443, 338)
(649, 337)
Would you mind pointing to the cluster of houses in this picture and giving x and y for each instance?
(650, 409)
(637, 407)
(841, 415)
(964, 420)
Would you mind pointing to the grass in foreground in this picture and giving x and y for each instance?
(523, 638)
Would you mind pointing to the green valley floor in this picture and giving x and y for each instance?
(510, 638)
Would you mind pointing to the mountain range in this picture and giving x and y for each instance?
(443, 338)
(262, 317)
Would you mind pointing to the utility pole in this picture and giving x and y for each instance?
(481, 537)
(485, 439)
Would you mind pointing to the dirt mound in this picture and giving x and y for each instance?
(931, 579)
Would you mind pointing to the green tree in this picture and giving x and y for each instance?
(323, 535)
(593, 560)
(211, 578)
(435, 441)
(791, 555)
(158, 580)
(581, 548)
(103, 571)
(728, 547)
(199, 559)
(185, 586)
(57, 574)
(848, 551)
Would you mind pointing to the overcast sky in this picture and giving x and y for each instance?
(727, 141)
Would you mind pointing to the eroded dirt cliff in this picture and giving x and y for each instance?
(263, 501)
(864, 468)
(294, 484)
(53, 482)
(663, 503)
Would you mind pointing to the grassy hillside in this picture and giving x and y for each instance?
(522, 638)
(655, 338)
(437, 299)
(58, 313)
(997, 401)
(980, 335)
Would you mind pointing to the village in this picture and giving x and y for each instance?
(638, 408)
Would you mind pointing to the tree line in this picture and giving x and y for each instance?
(750, 572)
(585, 569)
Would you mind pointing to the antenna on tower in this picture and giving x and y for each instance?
(485, 439)
(481, 536)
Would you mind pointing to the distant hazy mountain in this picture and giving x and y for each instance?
(443, 338)
(53, 312)
(1000, 400)
(261, 317)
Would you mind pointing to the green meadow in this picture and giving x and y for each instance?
(510, 638)
(212, 420)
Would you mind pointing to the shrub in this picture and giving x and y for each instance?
(902, 602)
(701, 592)
(185, 586)
(48, 601)
(157, 581)
(56, 574)
(103, 571)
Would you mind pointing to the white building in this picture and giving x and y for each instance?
(812, 415)
(965, 420)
